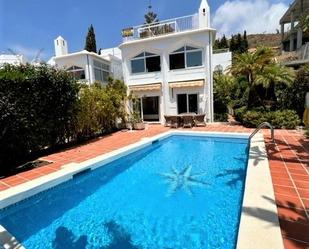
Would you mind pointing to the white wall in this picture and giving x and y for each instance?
(12, 59)
(223, 59)
(163, 46)
(83, 60)
(111, 51)
(65, 62)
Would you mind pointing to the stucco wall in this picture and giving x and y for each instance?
(163, 46)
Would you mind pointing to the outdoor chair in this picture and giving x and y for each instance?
(167, 120)
(174, 121)
(188, 121)
(199, 120)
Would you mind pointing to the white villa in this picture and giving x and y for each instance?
(169, 65)
(14, 59)
(86, 66)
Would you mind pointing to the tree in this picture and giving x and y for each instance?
(232, 44)
(304, 24)
(151, 17)
(223, 42)
(239, 43)
(293, 96)
(217, 44)
(244, 43)
(91, 45)
(259, 68)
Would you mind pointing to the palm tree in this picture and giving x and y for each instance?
(259, 67)
(304, 23)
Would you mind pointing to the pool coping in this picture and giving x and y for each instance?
(253, 231)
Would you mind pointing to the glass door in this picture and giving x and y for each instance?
(192, 103)
(187, 103)
(182, 104)
(150, 106)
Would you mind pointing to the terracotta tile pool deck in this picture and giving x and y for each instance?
(288, 159)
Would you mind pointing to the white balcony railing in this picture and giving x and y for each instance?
(165, 27)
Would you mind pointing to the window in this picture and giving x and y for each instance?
(146, 63)
(77, 72)
(186, 57)
(101, 71)
(187, 103)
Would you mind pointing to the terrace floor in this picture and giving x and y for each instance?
(288, 159)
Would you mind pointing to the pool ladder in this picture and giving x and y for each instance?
(262, 125)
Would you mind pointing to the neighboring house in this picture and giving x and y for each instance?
(17, 59)
(168, 66)
(85, 66)
(294, 41)
(222, 60)
(114, 56)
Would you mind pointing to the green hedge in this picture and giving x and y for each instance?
(287, 119)
(221, 117)
(42, 108)
(36, 110)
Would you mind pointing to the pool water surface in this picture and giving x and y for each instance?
(183, 192)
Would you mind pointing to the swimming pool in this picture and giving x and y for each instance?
(179, 192)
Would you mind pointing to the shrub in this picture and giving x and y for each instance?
(239, 113)
(99, 107)
(36, 110)
(293, 97)
(278, 119)
(221, 117)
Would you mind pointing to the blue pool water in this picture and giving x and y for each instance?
(184, 192)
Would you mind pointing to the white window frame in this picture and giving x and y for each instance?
(101, 69)
(185, 51)
(144, 58)
(76, 69)
(187, 97)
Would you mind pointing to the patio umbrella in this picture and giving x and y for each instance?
(306, 113)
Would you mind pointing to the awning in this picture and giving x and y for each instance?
(191, 83)
(148, 87)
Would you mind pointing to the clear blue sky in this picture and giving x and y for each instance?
(28, 25)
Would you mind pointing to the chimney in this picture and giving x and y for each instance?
(61, 46)
(204, 15)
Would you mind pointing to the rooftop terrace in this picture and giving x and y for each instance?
(165, 27)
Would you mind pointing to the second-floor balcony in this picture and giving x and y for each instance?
(165, 27)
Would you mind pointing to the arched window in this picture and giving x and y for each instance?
(146, 63)
(77, 72)
(186, 57)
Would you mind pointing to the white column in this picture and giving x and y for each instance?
(292, 32)
(282, 35)
(299, 38)
(208, 89)
(165, 87)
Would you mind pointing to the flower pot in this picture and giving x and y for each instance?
(139, 126)
(129, 126)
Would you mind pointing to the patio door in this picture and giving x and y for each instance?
(150, 108)
(187, 103)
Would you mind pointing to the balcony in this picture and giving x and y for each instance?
(175, 25)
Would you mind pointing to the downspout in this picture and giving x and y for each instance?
(88, 67)
(211, 80)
